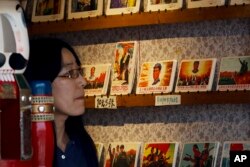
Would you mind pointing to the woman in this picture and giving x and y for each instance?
(56, 61)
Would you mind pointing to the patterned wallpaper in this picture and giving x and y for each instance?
(172, 123)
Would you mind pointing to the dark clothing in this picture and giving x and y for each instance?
(74, 155)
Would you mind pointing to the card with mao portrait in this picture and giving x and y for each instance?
(195, 75)
(156, 77)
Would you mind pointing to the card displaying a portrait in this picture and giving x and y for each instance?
(162, 5)
(97, 77)
(196, 75)
(156, 77)
(204, 3)
(116, 7)
(48, 10)
(84, 8)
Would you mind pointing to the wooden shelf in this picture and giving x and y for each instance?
(140, 19)
(194, 98)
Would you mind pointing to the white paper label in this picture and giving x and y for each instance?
(164, 100)
(105, 102)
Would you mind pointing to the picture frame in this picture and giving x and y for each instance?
(162, 5)
(84, 9)
(115, 7)
(48, 10)
(204, 3)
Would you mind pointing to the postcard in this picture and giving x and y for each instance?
(234, 73)
(204, 3)
(199, 154)
(162, 5)
(122, 154)
(115, 7)
(124, 67)
(50, 10)
(97, 77)
(156, 77)
(84, 8)
(159, 154)
(195, 75)
(232, 146)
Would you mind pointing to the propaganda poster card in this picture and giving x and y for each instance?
(228, 146)
(124, 67)
(159, 154)
(195, 75)
(234, 73)
(156, 77)
(199, 154)
(122, 154)
(97, 77)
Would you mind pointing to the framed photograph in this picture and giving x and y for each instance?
(162, 5)
(116, 7)
(159, 154)
(199, 154)
(204, 3)
(84, 8)
(156, 77)
(234, 73)
(239, 2)
(230, 146)
(195, 75)
(48, 10)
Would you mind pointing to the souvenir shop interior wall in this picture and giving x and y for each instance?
(179, 123)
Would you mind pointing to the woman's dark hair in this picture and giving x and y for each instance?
(45, 63)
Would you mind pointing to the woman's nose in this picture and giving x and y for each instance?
(82, 80)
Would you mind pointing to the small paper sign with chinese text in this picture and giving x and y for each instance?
(164, 100)
(105, 102)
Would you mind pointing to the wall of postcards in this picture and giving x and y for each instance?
(198, 123)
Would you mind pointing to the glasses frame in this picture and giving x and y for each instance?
(72, 74)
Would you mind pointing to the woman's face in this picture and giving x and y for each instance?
(68, 92)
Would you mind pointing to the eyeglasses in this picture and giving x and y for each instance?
(73, 74)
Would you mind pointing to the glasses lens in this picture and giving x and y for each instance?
(75, 73)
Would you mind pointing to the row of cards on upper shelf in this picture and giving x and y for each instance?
(164, 154)
(52, 10)
(159, 77)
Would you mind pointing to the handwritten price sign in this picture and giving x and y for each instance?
(106, 102)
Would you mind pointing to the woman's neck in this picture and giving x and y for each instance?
(62, 138)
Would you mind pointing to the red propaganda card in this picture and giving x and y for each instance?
(195, 75)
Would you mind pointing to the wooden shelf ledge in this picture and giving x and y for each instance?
(194, 98)
(142, 18)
